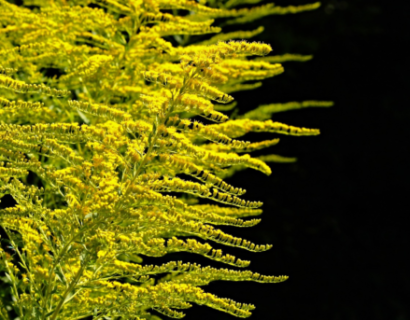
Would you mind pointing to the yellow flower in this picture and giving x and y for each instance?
(107, 158)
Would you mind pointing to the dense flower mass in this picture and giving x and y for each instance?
(102, 150)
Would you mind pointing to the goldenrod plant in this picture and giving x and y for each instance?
(114, 143)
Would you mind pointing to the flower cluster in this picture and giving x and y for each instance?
(97, 103)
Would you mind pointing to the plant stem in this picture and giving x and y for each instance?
(68, 290)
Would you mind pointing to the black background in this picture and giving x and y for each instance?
(337, 217)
